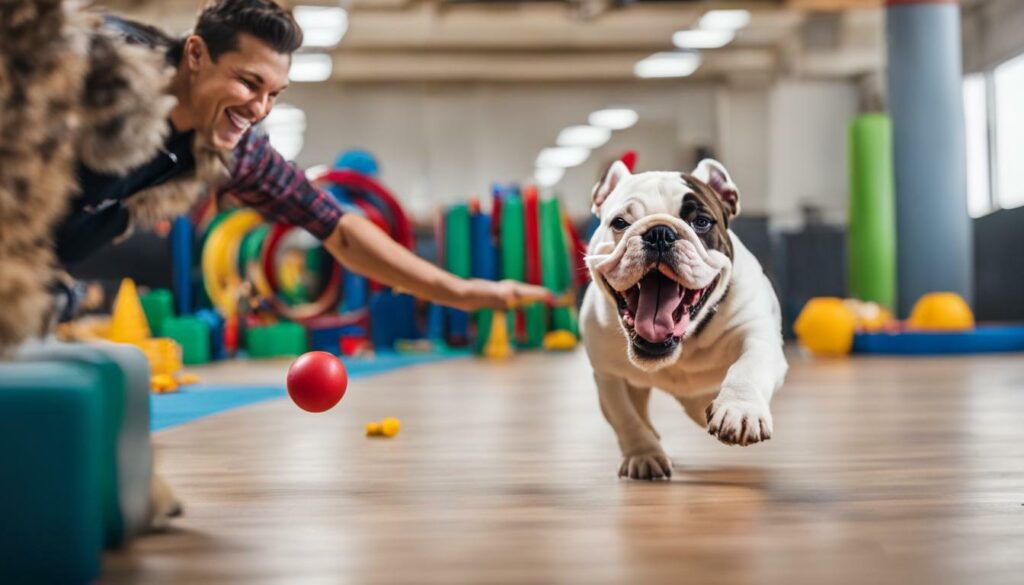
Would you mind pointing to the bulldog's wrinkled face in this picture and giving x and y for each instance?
(662, 253)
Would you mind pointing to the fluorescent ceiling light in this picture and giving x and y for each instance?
(311, 67)
(562, 157)
(702, 39)
(286, 127)
(725, 20)
(614, 118)
(322, 26)
(667, 65)
(548, 177)
(585, 136)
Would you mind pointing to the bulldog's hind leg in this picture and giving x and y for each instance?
(625, 408)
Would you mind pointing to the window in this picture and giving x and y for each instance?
(979, 192)
(1008, 79)
(994, 133)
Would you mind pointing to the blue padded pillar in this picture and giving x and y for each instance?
(925, 98)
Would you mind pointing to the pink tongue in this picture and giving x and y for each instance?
(659, 298)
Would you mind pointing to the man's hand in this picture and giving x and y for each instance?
(473, 295)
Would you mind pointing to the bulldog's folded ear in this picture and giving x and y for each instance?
(607, 184)
(714, 174)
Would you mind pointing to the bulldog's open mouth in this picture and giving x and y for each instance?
(657, 311)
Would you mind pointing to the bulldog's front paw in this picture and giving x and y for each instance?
(739, 422)
(649, 465)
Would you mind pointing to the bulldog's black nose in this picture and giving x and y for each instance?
(660, 238)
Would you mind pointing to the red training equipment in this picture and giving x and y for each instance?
(317, 381)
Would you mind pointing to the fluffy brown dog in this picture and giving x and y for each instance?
(69, 92)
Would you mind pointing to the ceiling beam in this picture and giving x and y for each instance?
(833, 5)
(402, 66)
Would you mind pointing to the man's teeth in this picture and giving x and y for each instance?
(239, 121)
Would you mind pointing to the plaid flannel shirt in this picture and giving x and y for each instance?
(278, 189)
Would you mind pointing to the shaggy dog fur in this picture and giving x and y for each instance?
(70, 90)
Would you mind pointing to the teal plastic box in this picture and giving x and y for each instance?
(51, 443)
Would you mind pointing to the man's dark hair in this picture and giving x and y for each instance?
(222, 21)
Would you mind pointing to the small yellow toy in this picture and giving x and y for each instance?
(560, 340)
(162, 384)
(187, 379)
(941, 311)
(826, 326)
(388, 428)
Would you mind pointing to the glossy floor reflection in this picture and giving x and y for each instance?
(881, 471)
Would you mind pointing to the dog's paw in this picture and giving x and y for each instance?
(163, 505)
(648, 465)
(739, 422)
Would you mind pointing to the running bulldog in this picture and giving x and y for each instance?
(678, 303)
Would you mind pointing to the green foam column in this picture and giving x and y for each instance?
(513, 246)
(484, 322)
(457, 241)
(458, 260)
(871, 240)
(555, 262)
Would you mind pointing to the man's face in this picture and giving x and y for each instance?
(235, 92)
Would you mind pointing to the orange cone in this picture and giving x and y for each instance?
(128, 324)
(498, 346)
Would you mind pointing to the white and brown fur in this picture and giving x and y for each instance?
(728, 363)
(72, 91)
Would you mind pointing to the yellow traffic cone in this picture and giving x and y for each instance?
(128, 324)
(498, 346)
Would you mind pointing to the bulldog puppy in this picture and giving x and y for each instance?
(678, 303)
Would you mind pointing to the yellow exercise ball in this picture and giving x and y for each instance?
(826, 326)
(941, 311)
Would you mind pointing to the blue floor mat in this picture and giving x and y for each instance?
(200, 400)
(982, 339)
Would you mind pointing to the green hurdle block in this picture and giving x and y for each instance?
(278, 340)
(193, 335)
(158, 305)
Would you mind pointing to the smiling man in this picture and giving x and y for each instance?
(227, 77)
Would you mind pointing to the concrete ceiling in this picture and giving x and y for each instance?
(579, 40)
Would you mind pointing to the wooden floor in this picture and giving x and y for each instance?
(881, 471)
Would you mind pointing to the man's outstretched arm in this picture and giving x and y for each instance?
(364, 248)
(277, 188)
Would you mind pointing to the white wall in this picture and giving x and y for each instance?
(439, 144)
(808, 149)
(744, 121)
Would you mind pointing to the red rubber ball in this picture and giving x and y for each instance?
(317, 381)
